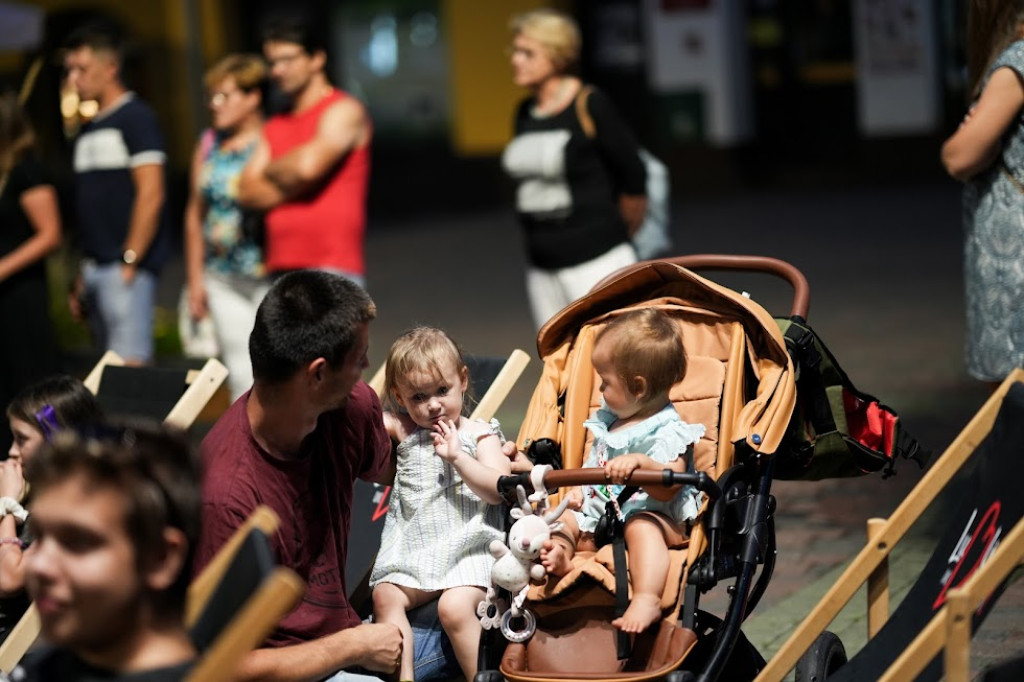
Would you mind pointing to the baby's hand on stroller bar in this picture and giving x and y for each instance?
(619, 469)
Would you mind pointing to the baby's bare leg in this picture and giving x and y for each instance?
(390, 604)
(457, 611)
(648, 568)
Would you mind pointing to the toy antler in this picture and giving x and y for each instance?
(524, 503)
(553, 515)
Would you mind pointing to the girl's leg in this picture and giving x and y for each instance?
(390, 603)
(457, 611)
(648, 568)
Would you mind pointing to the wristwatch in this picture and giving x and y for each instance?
(129, 257)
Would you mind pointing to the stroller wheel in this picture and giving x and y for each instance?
(824, 658)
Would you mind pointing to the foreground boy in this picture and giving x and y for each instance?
(114, 521)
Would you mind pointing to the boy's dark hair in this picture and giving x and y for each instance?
(72, 404)
(306, 315)
(155, 469)
(292, 29)
(101, 36)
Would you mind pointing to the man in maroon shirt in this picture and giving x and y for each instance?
(297, 441)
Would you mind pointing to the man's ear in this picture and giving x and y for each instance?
(162, 570)
(319, 59)
(316, 371)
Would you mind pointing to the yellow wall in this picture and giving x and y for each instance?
(483, 96)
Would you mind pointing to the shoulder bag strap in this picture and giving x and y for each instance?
(586, 122)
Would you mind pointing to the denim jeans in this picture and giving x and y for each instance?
(120, 315)
(434, 658)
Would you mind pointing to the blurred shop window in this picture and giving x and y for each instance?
(393, 57)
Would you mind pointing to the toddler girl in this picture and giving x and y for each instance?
(638, 356)
(35, 414)
(442, 514)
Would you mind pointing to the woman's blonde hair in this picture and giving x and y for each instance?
(646, 343)
(422, 349)
(248, 70)
(555, 30)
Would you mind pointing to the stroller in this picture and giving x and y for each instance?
(741, 385)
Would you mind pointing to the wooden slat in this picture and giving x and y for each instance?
(502, 384)
(872, 555)
(878, 585)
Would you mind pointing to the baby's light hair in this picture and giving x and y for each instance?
(646, 343)
(421, 349)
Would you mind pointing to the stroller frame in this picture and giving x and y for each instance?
(735, 534)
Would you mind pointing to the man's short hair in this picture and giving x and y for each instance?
(156, 470)
(290, 29)
(307, 314)
(100, 36)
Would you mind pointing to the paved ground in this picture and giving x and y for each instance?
(886, 295)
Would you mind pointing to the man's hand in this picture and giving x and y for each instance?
(381, 644)
(128, 273)
(521, 464)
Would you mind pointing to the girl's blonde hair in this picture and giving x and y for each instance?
(422, 349)
(556, 31)
(646, 343)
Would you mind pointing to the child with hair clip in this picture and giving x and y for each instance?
(638, 356)
(443, 513)
(35, 415)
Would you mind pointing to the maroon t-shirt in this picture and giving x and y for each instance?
(311, 494)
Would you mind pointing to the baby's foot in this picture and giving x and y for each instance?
(642, 611)
(555, 558)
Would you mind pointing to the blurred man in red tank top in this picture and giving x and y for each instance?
(311, 169)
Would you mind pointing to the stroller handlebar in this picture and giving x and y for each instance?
(774, 266)
(563, 478)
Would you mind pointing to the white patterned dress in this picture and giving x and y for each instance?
(437, 530)
(994, 251)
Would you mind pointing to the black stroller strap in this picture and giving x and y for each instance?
(623, 644)
(809, 379)
(621, 592)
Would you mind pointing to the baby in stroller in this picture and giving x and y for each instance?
(639, 356)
